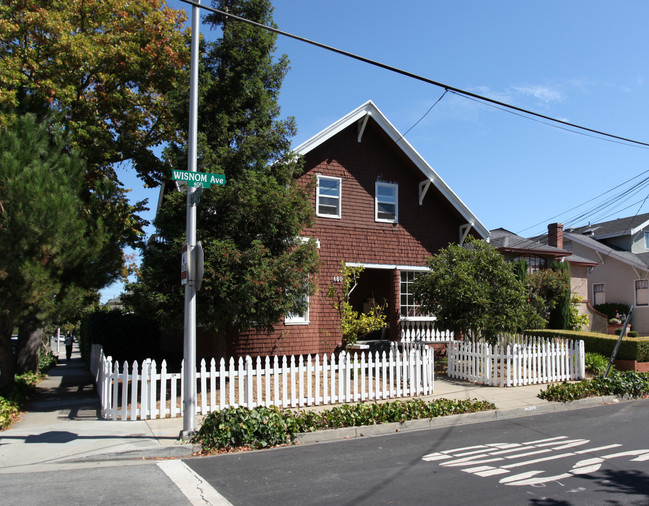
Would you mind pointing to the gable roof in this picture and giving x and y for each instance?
(505, 240)
(614, 228)
(361, 116)
(640, 261)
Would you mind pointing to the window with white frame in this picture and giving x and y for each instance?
(409, 307)
(299, 319)
(599, 294)
(646, 240)
(328, 196)
(386, 202)
(642, 292)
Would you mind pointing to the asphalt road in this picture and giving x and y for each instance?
(589, 456)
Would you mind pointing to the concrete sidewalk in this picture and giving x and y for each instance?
(62, 427)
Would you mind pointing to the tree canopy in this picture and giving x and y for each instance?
(473, 291)
(257, 269)
(106, 67)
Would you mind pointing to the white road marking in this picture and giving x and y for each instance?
(196, 489)
(472, 459)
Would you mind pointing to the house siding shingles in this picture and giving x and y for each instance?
(357, 237)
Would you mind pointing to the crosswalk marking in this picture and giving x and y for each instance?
(490, 459)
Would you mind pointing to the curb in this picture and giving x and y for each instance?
(161, 452)
(384, 429)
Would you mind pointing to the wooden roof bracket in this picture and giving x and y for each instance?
(423, 188)
(362, 123)
(464, 231)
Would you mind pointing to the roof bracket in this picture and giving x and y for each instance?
(362, 123)
(423, 188)
(464, 231)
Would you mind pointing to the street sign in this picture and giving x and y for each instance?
(203, 179)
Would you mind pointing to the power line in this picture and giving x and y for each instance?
(414, 76)
(548, 220)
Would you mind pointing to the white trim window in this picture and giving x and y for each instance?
(599, 294)
(642, 292)
(386, 208)
(299, 319)
(409, 309)
(328, 196)
(646, 240)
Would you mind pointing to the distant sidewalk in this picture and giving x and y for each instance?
(62, 428)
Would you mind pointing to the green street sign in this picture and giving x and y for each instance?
(203, 179)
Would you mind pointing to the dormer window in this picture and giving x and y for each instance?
(328, 196)
(386, 202)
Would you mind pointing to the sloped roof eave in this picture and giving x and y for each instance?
(602, 248)
(369, 108)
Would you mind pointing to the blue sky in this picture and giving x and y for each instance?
(581, 61)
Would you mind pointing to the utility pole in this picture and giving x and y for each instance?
(189, 378)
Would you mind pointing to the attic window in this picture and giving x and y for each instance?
(386, 202)
(328, 195)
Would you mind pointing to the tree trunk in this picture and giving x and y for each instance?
(7, 361)
(30, 336)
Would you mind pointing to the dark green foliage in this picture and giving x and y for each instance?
(560, 314)
(264, 427)
(625, 383)
(630, 348)
(473, 291)
(123, 336)
(613, 309)
(256, 268)
(595, 363)
(13, 398)
(46, 359)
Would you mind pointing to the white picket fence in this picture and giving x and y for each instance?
(423, 331)
(144, 392)
(516, 361)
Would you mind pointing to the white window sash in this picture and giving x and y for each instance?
(386, 201)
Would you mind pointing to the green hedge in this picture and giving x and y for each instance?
(264, 427)
(631, 348)
(627, 383)
(124, 336)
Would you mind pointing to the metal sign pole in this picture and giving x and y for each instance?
(189, 378)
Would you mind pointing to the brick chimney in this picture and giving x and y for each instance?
(555, 235)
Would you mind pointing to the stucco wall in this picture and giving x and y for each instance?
(619, 280)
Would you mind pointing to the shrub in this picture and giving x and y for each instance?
(263, 427)
(13, 398)
(630, 348)
(124, 336)
(612, 309)
(627, 383)
(46, 359)
(595, 363)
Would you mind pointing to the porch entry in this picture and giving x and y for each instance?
(389, 286)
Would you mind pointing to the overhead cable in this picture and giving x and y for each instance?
(414, 76)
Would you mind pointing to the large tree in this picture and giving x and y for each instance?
(106, 66)
(256, 267)
(105, 71)
(474, 291)
(53, 238)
